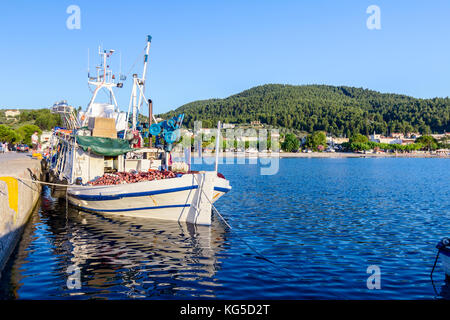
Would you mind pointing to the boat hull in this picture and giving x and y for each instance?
(446, 262)
(188, 198)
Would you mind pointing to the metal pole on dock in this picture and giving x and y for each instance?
(217, 146)
(150, 116)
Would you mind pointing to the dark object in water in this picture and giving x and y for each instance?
(443, 247)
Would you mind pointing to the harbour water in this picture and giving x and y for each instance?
(320, 222)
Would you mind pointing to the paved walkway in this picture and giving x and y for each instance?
(12, 162)
(12, 155)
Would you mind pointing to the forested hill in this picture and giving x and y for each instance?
(337, 110)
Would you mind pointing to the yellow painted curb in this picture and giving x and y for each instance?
(13, 193)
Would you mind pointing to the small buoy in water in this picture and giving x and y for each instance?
(84, 221)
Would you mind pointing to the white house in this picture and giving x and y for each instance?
(12, 113)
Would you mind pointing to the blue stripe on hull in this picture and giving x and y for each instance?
(133, 209)
(100, 197)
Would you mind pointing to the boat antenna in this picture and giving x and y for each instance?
(88, 62)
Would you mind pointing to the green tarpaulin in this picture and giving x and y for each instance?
(104, 146)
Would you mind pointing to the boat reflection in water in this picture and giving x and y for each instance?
(122, 257)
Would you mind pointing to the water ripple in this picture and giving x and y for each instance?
(322, 221)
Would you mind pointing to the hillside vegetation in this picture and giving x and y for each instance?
(19, 129)
(339, 110)
(42, 118)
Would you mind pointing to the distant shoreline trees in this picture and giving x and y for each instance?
(425, 142)
(20, 135)
(317, 141)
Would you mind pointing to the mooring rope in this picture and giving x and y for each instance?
(207, 198)
(291, 272)
(434, 266)
(432, 270)
(51, 184)
(229, 226)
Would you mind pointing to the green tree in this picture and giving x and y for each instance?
(428, 142)
(9, 135)
(359, 146)
(316, 139)
(27, 131)
(359, 138)
(290, 143)
(47, 121)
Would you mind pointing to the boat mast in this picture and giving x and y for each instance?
(139, 84)
(104, 80)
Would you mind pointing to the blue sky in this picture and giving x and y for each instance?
(212, 49)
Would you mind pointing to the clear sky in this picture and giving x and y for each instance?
(212, 49)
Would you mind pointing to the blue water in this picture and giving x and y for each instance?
(320, 222)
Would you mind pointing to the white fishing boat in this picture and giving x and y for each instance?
(186, 198)
(90, 166)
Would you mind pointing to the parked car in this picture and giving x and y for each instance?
(22, 148)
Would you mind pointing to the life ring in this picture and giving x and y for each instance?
(171, 136)
(155, 129)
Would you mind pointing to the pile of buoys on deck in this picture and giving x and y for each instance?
(131, 177)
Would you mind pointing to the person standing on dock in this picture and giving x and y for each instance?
(34, 141)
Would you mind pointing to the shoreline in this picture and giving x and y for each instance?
(320, 155)
(360, 155)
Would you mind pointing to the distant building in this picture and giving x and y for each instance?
(228, 126)
(439, 136)
(378, 138)
(397, 135)
(12, 113)
(375, 137)
(332, 140)
(390, 140)
(256, 123)
(414, 135)
(408, 141)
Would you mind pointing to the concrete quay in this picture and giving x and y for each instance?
(17, 199)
